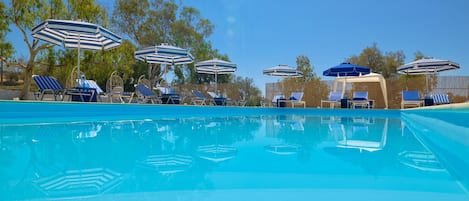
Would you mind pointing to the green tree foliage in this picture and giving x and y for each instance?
(418, 55)
(392, 60)
(150, 23)
(304, 65)
(373, 58)
(24, 14)
(99, 65)
(247, 90)
(6, 48)
(143, 23)
(86, 10)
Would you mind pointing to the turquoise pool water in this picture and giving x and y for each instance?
(140, 152)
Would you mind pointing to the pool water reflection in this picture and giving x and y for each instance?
(200, 158)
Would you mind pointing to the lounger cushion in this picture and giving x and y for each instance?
(410, 96)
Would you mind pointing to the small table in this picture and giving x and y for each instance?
(344, 103)
(281, 102)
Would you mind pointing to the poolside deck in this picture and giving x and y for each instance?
(445, 106)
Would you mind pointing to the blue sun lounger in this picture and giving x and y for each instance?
(334, 99)
(439, 99)
(360, 99)
(48, 85)
(199, 98)
(217, 99)
(295, 98)
(145, 94)
(411, 98)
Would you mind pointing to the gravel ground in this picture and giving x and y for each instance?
(10, 94)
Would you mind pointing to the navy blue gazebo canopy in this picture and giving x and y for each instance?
(346, 69)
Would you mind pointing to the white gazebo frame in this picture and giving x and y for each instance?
(372, 77)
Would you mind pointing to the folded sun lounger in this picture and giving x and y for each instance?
(439, 99)
(145, 94)
(360, 99)
(334, 99)
(411, 98)
(295, 98)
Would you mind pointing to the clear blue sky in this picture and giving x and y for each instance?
(258, 34)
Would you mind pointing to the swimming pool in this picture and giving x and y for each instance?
(147, 152)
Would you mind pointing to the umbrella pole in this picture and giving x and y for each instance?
(216, 78)
(78, 68)
(216, 82)
(165, 71)
(426, 85)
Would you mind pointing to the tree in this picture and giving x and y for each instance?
(392, 60)
(6, 48)
(191, 30)
(129, 17)
(149, 23)
(372, 57)
(418, 55)
(25, 13)
(247, 90)
(304, 65)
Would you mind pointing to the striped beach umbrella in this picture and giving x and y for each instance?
(427, 66)
(76, 34)
(282, 71)
(215, 66)
(216, 152)
(164, 54)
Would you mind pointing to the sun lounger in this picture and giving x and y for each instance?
(199, 98)
(48, 85)
(439, 99)
(360, 99)
(411, 98)
(334, 99)
(217, 99)
(295, 98)
(145, 94)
